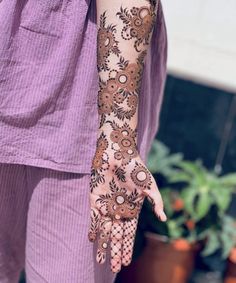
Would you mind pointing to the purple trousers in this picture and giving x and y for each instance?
(44, 220)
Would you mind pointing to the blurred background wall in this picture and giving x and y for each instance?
(198, 120)
(199, 109)
(202, 41)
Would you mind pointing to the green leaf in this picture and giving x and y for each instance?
(227, 244)
(179, 176)
(195, 170)
(175, 231)
(222, 198)
(212, 244)
(161, 161)
(203, 205)
(188, 195)
(228, 180)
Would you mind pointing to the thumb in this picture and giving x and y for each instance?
(155, 198)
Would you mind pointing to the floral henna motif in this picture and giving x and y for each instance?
(125, 138)
(104, 237)
(107, 43)
(128, 77)
(119, 183)
(124, 85)
(141, 176)
(100, 162)
(132, 101)
(105, 101)
(119, 204)
(138, 22)
(102, 145)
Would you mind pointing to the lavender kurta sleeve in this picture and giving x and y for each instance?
(49, 84)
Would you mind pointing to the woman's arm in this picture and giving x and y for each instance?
(119, 179)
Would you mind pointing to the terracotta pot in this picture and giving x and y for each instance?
(230, 276)
(161, 262)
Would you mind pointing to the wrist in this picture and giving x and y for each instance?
(121, 142)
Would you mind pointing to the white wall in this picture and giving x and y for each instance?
(202, 40)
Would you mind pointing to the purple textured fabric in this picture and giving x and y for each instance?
(49, 84)
(46, 213)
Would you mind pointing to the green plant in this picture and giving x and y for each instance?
(223, 239)
(201, 189)
(161, 161)
(196, 203)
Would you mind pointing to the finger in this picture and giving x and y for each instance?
(103, 240)
(155, 198)
(94, 225)
(130, 227)
(116, 245)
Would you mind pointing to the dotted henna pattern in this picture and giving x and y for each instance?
(124, 137)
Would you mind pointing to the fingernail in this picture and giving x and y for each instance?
(162, 216)
(146, 192)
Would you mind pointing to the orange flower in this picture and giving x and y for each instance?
(178, 204)
(190, 224)
(182, 245)
(232, 255)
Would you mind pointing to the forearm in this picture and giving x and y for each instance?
(124, 33)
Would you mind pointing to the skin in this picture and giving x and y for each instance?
(119, 178)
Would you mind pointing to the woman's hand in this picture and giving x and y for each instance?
(119, 183)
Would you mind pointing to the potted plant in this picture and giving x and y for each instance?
(230, 274)
(196, 201)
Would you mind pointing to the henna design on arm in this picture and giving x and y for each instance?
(138, 24)
(118, 176)
(107, 43)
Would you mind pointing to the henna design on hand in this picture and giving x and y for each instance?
(100, 162)
(103, 241)
(125, 138)
(119, 204)
(141, 176)
(120, 174)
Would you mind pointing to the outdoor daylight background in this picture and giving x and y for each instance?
(194, 156)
